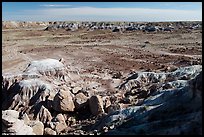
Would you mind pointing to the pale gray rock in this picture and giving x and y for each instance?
(47, 67)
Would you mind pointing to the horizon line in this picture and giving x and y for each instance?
(100, 21)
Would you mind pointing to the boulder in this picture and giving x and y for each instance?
(44, 115)
(49, 131)
(60, 127)
(63, 101)
(80, 100)
(96, 105)
(58, 123)
(60, 118)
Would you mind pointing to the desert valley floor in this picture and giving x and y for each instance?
(101, 68)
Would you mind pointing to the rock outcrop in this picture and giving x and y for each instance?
(48, 67)
(27, 93)
(173, 111)
(122, 26)
(143, 84)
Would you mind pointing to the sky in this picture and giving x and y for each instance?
(102, 11)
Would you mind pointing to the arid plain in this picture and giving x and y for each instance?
(101, 63)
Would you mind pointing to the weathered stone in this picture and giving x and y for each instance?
(26, 93)
(58, 123)
(60, 118)
(44, 116)
(117, 75)
(49, 131)
(60, 127)
(52, 125)
(80, 100)
(63, 101)
(47, 67)
(76, 89)
(96, 105)
(9, 116)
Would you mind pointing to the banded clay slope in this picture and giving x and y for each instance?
(98, 81)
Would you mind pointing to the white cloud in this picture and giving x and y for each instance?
(110, 14)
(51, 5)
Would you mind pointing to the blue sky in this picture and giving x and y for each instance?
(101, 11)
